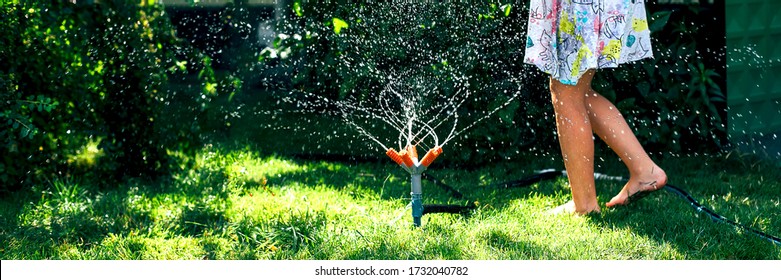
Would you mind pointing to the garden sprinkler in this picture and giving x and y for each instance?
(408, 159)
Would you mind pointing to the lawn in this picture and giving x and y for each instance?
(234, 200)
(243, 203)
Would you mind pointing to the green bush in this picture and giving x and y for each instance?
(75, 74)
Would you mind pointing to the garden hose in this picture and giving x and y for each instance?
(716, 217)
(553, 173)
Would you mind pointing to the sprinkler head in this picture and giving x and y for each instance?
(430, 156)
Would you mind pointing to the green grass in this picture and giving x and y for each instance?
(242, 204)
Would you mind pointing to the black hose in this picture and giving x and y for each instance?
(439, 183)
(716, 217)
(444, 208)
(539, 177)
(552, 174)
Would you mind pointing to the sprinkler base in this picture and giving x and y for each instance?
(407, 158)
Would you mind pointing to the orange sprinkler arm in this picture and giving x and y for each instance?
(394, 155)
(402, 158)
(431, 156)
(413, 152)
(407, 159)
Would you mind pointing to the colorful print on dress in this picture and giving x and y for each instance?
(566, 38)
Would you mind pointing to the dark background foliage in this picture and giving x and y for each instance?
(675, 101)
(120, 78)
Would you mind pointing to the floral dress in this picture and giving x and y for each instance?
(566, 38)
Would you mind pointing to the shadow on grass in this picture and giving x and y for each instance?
(282, 236)
(504, 243)
(40, 228)
(195, 221)
(736, 188)
(666, 218)
(44, 227)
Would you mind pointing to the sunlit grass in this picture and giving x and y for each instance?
(239, 204)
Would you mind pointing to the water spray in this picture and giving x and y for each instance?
(400, 107)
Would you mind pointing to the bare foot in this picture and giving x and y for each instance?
(569, 208)
(653, 180)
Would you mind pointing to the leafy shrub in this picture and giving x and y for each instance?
(79, 73)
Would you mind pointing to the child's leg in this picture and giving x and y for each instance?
(611, 126)
(577, 142)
